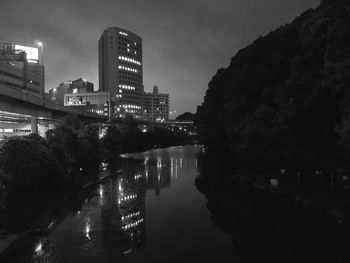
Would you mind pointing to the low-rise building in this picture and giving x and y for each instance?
(155, 106)
(97, 102)
(76, 86)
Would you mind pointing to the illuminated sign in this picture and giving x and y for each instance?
(32, 52)
(75, 100)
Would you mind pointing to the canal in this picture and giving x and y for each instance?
(151, 211)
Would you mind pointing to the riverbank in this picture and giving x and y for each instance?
(44, 212)
(270, 225)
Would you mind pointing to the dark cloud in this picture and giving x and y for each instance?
(184, 42)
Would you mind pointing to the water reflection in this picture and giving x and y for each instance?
(111, 223)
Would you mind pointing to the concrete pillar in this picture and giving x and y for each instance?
(34, 125)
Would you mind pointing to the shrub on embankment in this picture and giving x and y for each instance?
(27, 162)
(126, 137)
(76, 145)
(69, 153)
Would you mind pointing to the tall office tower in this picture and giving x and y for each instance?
(120, 70)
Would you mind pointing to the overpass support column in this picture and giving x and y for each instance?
(34, 125)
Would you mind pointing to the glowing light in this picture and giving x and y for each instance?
(123, 33)
(137, 176)
(171, 167)
(87, 231)
(101, 191)
(31, 52)
(159, 163)
(51, 224)
(39, 248)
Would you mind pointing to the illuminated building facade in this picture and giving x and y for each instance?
(155, 106)
(76, 86)
(20, 68)
(121, 70)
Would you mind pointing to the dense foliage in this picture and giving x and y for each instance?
(285, 99)
(75, 144)
(32, 161)
(27, 162)
(186, 116)
(127, 137)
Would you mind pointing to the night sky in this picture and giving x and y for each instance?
(184, 42)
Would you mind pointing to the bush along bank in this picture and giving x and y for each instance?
(127, 137)
(69, 153)
(72, 152)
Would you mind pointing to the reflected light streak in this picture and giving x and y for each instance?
(101, 191)
(87, 230)
(51, 224)
(159, 163)
(176, 168)
(120, 188)
(171, 167)
(39, 248)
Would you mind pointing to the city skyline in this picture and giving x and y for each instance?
(184, 43)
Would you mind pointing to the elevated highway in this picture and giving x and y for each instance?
(22, 112)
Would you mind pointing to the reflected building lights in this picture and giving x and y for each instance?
(181, 162)
(137, 176)
(126, 198)
(131, 225)
(159, 163)
(130, 216)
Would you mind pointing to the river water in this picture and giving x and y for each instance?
(150, 212)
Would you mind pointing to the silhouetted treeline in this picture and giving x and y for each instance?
(127, 137)
(285, 99)
(69, 153)
(72, 153)
(186, 116)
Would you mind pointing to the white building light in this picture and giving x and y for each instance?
(123, 33)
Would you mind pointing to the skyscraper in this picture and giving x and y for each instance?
(120, 70)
